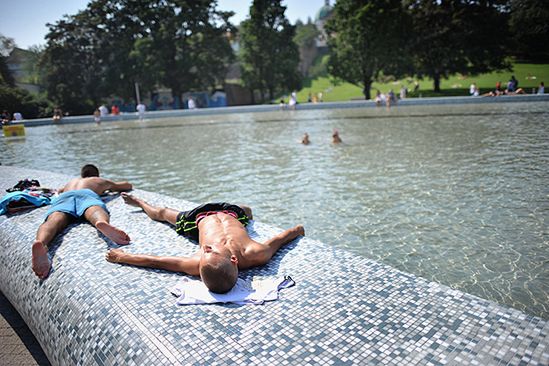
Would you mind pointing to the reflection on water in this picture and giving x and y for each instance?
(457, 195)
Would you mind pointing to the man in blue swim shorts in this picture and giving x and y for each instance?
(225, 247)
(78, 199)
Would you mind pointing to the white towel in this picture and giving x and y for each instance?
(193, 292)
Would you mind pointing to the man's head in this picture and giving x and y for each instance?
(218, 269)
(89, 170)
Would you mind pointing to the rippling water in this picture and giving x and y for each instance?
(457, 195)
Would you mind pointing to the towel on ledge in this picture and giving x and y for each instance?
(23, 199)
(193, 292)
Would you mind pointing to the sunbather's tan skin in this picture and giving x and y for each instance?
(219, 235)
(57, 221)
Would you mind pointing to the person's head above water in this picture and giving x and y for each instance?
(89, 170)
(218, 268)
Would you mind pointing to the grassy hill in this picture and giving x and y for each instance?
(528, 75)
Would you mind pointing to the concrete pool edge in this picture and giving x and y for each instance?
(300, 107)
(344, 310)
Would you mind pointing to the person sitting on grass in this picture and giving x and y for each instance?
(219, 229)
(79, 198)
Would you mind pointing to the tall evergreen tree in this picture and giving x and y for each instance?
(365, 40)
(269, 56)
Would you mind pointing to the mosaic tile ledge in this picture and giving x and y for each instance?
(344, 310)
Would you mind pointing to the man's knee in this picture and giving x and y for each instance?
(56, 221)
(57, 218)
(160, 213)
(96, 213)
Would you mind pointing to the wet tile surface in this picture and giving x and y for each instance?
(344, 310)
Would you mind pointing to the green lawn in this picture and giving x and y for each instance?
(528, 75)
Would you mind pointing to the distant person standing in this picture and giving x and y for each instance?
(17, 116)
(191, 103)
(403, 92)
(97, 116)
(541, 89)
(293, 101)
(57, 114)
(115, 111)
(5, 117)
(104, 111)
(391, 97)
(512, 84)
(141, 111)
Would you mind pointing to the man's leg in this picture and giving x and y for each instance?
(247, 211)
(54, 224)
(99, 218)
(165, 214)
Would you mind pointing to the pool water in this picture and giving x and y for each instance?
(455, 194)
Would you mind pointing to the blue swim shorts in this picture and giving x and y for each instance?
(76, 202)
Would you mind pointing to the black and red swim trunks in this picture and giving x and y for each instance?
(187, 221)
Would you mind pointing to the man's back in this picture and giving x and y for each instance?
(96, 184)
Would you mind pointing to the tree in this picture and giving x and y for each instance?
(112, 44)
(12, 98)
(457, 36)
(305, 35)
(529, 25)
(193, 48)
(366, 40)
(269, 56)
(6, 46)
(305, 38)
(72, 63)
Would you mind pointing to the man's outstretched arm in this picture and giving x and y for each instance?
(188, 265)
(269, 248)
(118, 186)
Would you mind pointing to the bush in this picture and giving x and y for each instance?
(20, 100)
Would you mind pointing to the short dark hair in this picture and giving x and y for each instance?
(89, 170)
(219, 277)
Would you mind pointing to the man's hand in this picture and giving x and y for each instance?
(114, 255)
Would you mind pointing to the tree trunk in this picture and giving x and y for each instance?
(366, 90)
(436, 82)
(252, 92)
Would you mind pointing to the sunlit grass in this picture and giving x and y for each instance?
(528, 75)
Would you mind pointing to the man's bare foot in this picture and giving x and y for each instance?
(300, 230)
(113, 233)
(131, 200)
(114, 255)
(40, 262)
